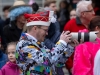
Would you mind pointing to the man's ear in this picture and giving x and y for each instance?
(83, 14)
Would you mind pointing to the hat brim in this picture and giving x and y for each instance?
(42, 23)
(13, 7)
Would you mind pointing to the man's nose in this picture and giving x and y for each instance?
(93, 13)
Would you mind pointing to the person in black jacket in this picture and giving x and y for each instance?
(3, 56)
(13, 31)
(3, 42)
(63, 14)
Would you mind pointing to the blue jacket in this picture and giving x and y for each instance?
(3, 59)
(53, 35)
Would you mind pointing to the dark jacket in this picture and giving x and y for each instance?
(12, 33)
(7, 22)
(3, 42)
(64, 18)
(53, 35)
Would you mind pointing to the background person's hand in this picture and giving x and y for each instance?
(75, 43)
(66, 36)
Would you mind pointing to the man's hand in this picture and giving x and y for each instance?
(66, 36)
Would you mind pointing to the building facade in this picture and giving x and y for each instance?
(10, 2)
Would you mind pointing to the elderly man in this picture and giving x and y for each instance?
(85, 13)
(33, 57)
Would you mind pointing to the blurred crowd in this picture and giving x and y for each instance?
(71, 16)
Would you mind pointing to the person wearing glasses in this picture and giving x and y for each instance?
(84, 13)
(32, 56)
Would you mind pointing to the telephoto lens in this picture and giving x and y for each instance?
(85, 36)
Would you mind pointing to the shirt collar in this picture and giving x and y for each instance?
(32, 37)
(78, 21)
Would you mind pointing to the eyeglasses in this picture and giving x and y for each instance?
(89, 10)
(46, 30)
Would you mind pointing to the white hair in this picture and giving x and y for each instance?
(82, 6)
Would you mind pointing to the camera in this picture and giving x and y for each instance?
(85, 36)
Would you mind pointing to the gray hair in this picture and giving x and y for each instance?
(82, 6)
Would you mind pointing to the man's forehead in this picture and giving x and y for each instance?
(90, 7)
(52, 4)
(46, 27)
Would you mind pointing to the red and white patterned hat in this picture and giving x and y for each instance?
(42, 18)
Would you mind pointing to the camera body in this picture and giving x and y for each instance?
(85, 36)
